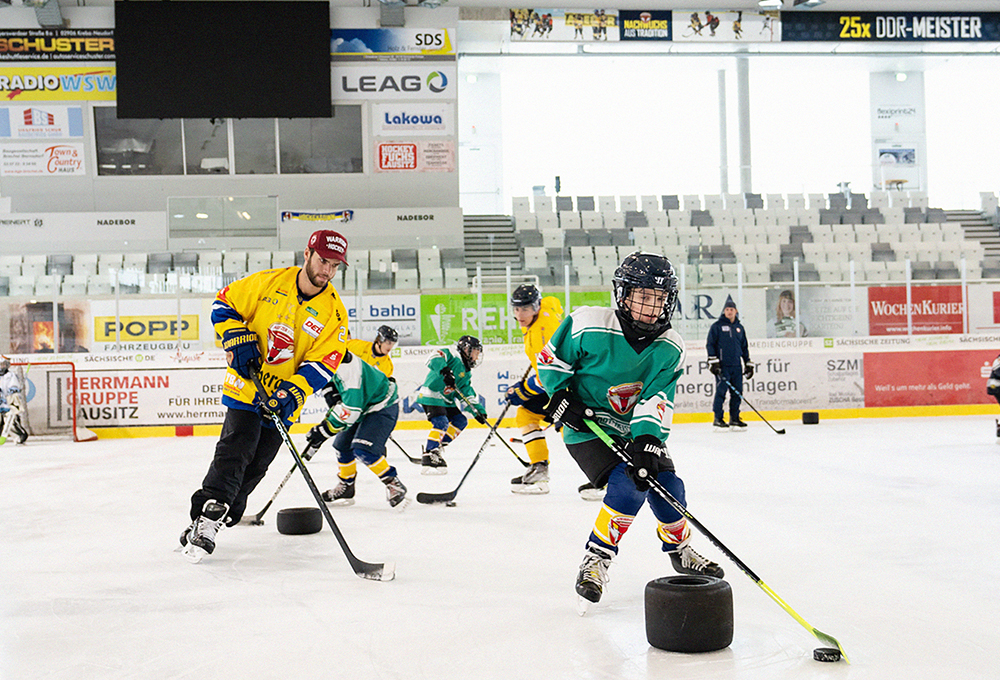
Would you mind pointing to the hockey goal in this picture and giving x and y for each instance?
(49, 394)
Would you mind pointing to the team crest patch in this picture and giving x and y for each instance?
(661, 410)
(623, 397)
(342, 413)
(280, 343)
(617, 527)
(332, 360)
(545, 356)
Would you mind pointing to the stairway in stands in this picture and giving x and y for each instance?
(490, 242)
(977, 227)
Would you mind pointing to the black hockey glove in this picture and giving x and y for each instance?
(332, 396)
(748, 369)
(285, 400)
(714, 366)
(314, 440)
(649, 459)
(480, 417)
(242, 351)
(449, 377)
(564, 408)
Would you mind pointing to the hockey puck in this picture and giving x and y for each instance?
(810, 418)
(295, 521)
(826, 654)
(450, 504)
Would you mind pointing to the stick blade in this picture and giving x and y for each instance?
(830, 641)
(435, 498)
(376, 572)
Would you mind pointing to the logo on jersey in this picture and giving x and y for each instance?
(662, 410)
(312, 327)
(332, 360)
(342, 413)
(623, 397)
(280, 343)
(617, 527)
(546, 356)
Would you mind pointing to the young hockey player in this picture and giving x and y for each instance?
(623, 365)
(993, 387)
(376, 352)
(729, 358)
(364, 407)
(11, 404)
(449, 378)
(290, 326)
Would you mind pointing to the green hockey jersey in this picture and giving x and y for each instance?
(363, 389)
(434, 392)
(631, 393)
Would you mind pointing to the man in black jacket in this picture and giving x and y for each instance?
(728, 360)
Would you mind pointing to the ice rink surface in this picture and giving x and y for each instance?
(883, 533)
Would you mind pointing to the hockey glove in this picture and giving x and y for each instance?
(449, 377)
(480, 417)
(748, 369)
(649, 459)
(523, 391)
(332, 397)
(714, 366)
(242, 351)
(314, 440)
(564, 408)
(285, 400)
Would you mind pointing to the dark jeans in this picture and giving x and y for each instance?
(245, 449)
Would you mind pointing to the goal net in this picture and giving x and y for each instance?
(48, 399)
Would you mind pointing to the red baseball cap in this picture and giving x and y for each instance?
(330, 245)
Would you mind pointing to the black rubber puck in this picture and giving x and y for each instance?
(826, 654)
(810, 418)
(451, 504)
(295, 521)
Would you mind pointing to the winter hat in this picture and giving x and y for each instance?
(729, 303)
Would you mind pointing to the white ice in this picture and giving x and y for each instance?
(882, 533)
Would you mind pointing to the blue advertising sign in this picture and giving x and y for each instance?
(890, 26)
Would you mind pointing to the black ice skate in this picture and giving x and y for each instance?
(592, 576)
(342, 494)
(720, 425)
(199, 538)
(535, 479)
(395, 493)
(737, 424)
(589, 492)
(433, 463)
(687, 561)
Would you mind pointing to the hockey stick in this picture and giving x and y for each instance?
(375, 572)
(497, 423)
(781, 431)
(416, 461)
(676, 505)
(431, 498)
(257, 520)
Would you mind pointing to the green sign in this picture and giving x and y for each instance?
(446, 318)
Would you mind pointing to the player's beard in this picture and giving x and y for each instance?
(314, 277)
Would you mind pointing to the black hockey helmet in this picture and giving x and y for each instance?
(646, 270)
(526, 295)
(464, 346)
(386, 334)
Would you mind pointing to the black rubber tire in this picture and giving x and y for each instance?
(810, 418)
(689, 614)
(296, 521)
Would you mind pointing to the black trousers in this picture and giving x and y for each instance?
(245, 449)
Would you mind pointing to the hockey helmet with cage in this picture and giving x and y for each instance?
(386, 334)
(526, 295)
(646, 270)
(465, 346)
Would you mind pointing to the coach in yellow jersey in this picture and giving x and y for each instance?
(290, 325)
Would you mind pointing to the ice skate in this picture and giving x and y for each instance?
(199, 539)
(720, 425)
(736, 424)
(592, 576)
(589, 492)
(535, 479)
(433, 463)
(687, 561)
(342, 494)
(395, 493)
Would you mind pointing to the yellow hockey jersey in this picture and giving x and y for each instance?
(300, 340)
(550, 314)
(364, 350)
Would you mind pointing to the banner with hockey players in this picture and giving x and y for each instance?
(728, 26)
(558, 25)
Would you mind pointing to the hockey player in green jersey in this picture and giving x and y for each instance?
(364, 407)
(623, 365)
(448, 380)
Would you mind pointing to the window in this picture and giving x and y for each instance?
(254, 146)
(206, 145)
(136, 147)
(327, 145)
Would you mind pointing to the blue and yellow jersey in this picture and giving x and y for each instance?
(550, 314)
(300, 340)
(366, 352)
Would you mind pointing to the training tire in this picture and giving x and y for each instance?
(296, 521)
(810, 418)
(689, 614)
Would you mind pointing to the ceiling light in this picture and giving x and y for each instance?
(770, 4)
(901, 77)
(808, 3)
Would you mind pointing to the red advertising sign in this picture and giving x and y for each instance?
(927, 378)
(935, 309)
(397, 156)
